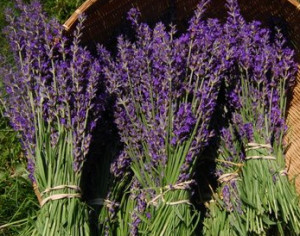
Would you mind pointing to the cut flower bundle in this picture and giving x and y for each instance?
(256, 196)
(169, 89)
(53, 100)
(166, 90)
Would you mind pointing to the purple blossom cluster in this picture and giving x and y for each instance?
(53, 76)
(183, 123)
(167, 88)
(262, 74)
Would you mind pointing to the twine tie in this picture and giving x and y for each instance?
(228, 177)
(164, 190)
(256, 146)
(60, 195)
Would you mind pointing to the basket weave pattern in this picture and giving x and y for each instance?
(105, 16)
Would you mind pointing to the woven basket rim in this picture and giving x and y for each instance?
(74, 17)
(88, 3)
(295, 3)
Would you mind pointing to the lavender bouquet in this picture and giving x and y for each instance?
(53, 101)
(166, 90)
(255, 195)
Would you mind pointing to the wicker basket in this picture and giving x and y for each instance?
(106, 19)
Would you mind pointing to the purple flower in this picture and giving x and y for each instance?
(30, 168)
(184, 122)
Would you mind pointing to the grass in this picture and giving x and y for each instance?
(17, 200)
(61, 9)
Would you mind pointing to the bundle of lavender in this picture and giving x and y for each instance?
(166, 90)
(53, 101)
(255, 195)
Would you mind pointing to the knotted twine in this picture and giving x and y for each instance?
(256, 146)
(164, 190)
(180, 186)
(54, 197)
(153, 201)
(228, 177)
